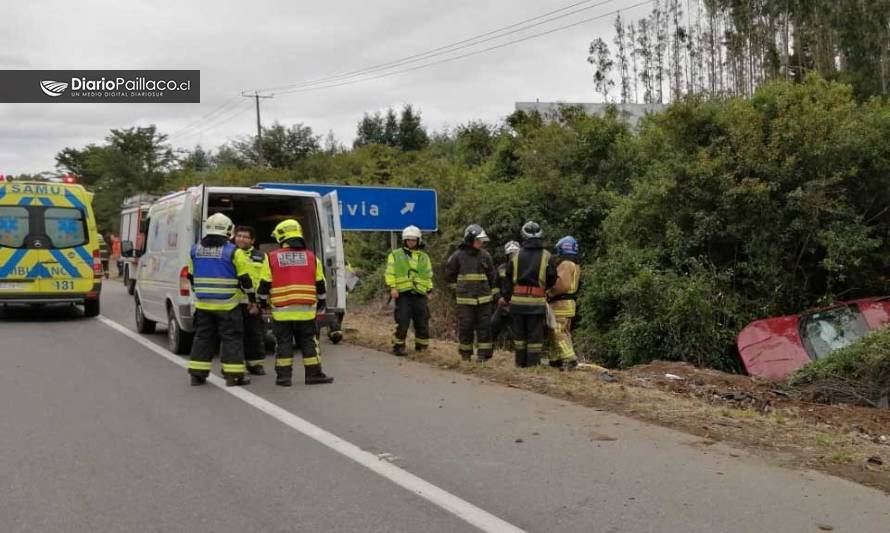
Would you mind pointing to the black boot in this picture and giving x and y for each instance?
(198, 380)
(568, 364)
(314, 376)
(256, 370)
(284, 381)
(399, 350)
(237, 381)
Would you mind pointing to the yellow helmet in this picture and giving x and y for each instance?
(287, 229)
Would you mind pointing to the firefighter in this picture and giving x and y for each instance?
(218, 275)
(409, 276)
(254, 327)
(529, 274)
(562, 298)
(292, 283)
(472, 269)
(500, 319)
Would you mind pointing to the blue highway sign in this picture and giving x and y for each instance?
(377, 208)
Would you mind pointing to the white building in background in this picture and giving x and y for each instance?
(633, 112)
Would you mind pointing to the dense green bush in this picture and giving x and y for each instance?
(859, 373)
(693, 223)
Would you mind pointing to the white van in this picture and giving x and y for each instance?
(175, 222)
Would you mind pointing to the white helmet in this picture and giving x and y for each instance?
(411, 232)
(511, 247)
(218, 224)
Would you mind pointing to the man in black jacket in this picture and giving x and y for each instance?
(472, 269)
(529, 274)
(500, 318)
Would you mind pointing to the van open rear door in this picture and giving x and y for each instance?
(335, 260)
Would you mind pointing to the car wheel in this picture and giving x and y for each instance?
(178, 341)
(143, 325)
(91, 308)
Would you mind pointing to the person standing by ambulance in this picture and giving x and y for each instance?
(254, 328)
(292, 283)
(218, 275)
(409, 276)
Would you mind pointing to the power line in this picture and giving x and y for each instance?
(239, 110)
(229, 110)
(453, 47)
(466, 55)
(226, 104)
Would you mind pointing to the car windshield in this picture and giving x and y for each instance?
(827, 331)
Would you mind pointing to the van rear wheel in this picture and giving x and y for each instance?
(178, 341)
(91, 308)
(143, 325)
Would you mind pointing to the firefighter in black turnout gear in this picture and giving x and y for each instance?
(529, 274)
(472, 269)
(500, 318)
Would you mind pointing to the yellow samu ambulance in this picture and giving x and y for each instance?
(49, 246)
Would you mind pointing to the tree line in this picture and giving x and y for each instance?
(713, 213)
(731, 47)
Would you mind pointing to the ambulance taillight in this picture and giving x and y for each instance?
(184, 285)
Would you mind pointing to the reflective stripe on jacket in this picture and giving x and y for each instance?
(529, 274)
(565, 290)
(295, 278)
(409, 271)
(474, 273)
(215, 271)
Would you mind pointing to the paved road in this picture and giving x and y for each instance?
(101, 433)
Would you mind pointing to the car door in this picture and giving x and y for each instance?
(335, 258)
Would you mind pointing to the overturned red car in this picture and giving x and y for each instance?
(776, 347)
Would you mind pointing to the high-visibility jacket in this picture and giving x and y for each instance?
(409, 271)
(529, 274)
(565, 291)
(214, 269)
(254, 261)
(474, 274)
(296, 283)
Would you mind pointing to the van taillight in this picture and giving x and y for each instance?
(97, 263)
(184, 286)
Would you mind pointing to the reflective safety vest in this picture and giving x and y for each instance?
(215, 277)
(412, 273)
(293, 280)
(253, 259)
(530, 295)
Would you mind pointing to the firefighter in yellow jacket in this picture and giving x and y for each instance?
(562, 298)
(409, 276)
(292, 283)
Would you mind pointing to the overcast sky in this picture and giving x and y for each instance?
(248, 44)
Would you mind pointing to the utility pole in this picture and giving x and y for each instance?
(259, 125)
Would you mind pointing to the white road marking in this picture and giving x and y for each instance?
(463, 509)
